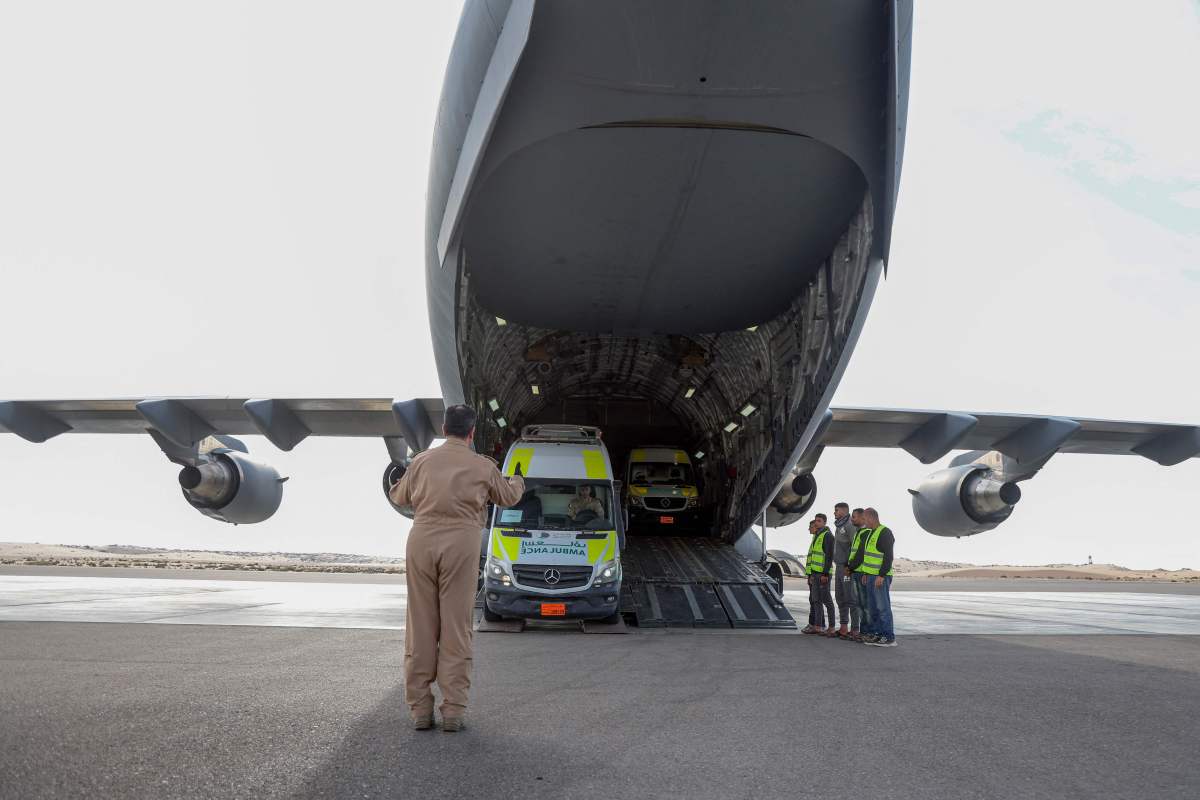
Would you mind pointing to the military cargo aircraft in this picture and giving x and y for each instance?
(667, 220)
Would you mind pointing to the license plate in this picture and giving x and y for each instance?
(667, 520)
(554, 609)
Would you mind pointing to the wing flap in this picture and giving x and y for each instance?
(282, 420)
(925, 434)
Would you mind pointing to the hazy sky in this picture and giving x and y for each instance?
(228, 199)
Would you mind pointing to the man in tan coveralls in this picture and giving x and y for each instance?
(448, 488)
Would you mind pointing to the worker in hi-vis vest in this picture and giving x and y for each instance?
(448, 488)
(818, 567)
(853, 569)
(878, 550)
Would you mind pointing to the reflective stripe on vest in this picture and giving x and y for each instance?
(856, 545)
(872, 558)
(816, 553)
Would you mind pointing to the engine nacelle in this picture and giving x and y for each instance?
(392, 475)
(793, 499)
(963, 500)
(231, 487)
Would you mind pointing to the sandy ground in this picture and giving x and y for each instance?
(126, 556)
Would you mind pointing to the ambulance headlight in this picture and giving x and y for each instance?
(608, 572)
(692, 502)
(635, 502)
(496, 570)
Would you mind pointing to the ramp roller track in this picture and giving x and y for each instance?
(697, 582)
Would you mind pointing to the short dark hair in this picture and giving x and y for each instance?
(822, 517)
(857, 511)
(460, 421)
(836, 506)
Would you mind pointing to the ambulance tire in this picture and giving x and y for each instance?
(489, 615)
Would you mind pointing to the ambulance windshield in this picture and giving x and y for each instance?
(552, 506)
(660, 473)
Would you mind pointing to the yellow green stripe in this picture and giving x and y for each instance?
(593, 464)
(522, 456)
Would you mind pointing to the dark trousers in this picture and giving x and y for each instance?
(847, 599)
(820, 601)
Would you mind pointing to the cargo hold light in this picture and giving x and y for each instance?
(748, 409)
(752, 328)
(731, 427)
(534, 388)
(494, 404)
(699, 455)
(688, 394)
(502, 422)
(501, 321)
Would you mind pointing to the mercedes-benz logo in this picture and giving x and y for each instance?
(553, 576)
(665, 503)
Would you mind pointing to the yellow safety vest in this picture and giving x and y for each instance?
(816, 553)
(859, 537)
(872, 558)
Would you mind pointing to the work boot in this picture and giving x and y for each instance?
(453, 724)
(422, 722)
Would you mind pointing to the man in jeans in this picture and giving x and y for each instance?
(854, 568)
(844, 591)
(878, 549)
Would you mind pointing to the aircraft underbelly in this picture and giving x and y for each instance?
(672, 211)
(669, 229)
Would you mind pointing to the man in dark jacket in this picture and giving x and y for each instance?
(878, 553)
(818, 567)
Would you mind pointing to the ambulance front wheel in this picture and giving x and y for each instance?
(489, 615)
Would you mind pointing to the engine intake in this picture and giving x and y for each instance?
(963, 500)
(231, 487)
(792, 500)
(392, 475)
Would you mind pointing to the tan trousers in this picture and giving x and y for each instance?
(442, 566)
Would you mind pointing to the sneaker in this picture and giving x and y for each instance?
(881, 641)
(453, 724)
(868, 638)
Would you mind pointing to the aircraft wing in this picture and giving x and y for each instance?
(930, 435)
(188, 420)
(926, 435)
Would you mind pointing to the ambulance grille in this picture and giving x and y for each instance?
(569, 577)
(666, 503)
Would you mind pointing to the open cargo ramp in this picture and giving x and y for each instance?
(697, 582)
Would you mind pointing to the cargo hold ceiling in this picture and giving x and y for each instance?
(657, 228)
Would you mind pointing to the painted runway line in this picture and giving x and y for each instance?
(347, 605)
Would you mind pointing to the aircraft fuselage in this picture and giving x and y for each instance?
(665, 219)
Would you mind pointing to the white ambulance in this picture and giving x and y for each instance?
(556, 554)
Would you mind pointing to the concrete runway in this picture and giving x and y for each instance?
(188, 601)
(278, 688)
(128, 710)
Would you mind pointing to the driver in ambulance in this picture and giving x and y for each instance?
(584, 500)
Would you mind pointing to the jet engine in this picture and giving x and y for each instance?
(392, 475)
(793, 499)
(231, 487)
(963, 500)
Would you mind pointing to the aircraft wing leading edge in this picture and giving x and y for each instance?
(926, 434)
